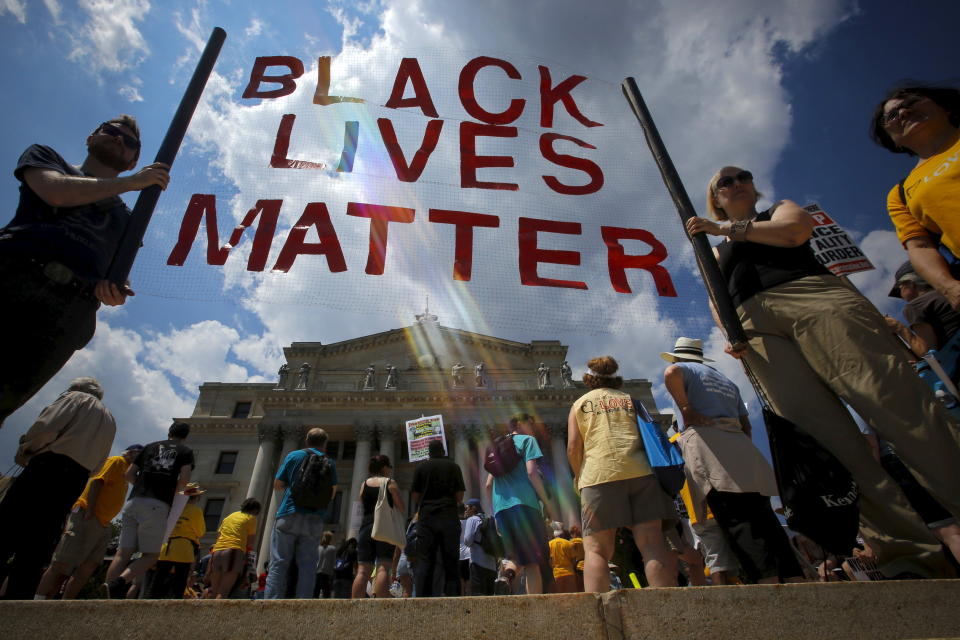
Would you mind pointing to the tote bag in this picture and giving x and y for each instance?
(388, 522)
(664, 457)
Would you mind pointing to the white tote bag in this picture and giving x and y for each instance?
(388, 522)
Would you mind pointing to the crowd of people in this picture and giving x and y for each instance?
(815, 350)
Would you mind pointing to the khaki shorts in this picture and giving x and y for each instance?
(143, 523)
(84, 541)
(624, 503)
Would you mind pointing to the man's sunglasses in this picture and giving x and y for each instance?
(726, 182)
(111, 130)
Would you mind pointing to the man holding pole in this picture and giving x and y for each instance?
(55, 253)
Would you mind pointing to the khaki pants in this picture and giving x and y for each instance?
(815, 341)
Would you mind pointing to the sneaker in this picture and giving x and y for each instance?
(116, 589)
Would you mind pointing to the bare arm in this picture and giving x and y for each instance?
(184, 477)
(279, 485)
(533, 473)
(488, 488)
(728, 349)
(917, 344)
(131, 474)
(931, 266)
(397, 498)
(574, 445)
(745, 425)
(874, 445)
(60, 190)
(789, 226)
(673, 380)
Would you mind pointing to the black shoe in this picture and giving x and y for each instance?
(116, 589)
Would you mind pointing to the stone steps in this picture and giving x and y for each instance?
(868, 611)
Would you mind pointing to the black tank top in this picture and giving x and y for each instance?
(750, 267)
(368, 496)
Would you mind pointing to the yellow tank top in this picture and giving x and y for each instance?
(612, 448)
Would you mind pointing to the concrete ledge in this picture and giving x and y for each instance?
(887, 610)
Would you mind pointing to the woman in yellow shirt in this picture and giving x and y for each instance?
(924, 121)
(237, 532)
(617, 486)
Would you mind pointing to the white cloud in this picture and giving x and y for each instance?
(887, 254)
(53, 6)
(130, 92)
(255, 28)
(196, 354)
(16, 8)
(110, 39)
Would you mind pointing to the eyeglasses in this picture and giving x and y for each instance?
(111, 130)
(894, 113)
(725, 182)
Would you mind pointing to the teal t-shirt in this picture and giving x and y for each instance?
(515, 488)
(287, 473)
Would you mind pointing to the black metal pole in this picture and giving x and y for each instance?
(706, 261)
(147, 200)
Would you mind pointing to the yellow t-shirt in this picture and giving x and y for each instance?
(562, 557)
(933, 197)
(112, 493)
(577, 552)
(234, 531)
(612, 447)
(190, 525)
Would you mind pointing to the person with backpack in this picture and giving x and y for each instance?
(308, 481)
(516, 490)
(480, 534)
(344, 568)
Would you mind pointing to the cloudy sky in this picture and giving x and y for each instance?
(782, 88)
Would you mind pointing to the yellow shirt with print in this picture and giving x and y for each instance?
(612, 447)
(234, 531)
(112, 493)
(933, 200)
(190, 526)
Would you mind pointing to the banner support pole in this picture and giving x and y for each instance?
(706, 261)
(147, 200)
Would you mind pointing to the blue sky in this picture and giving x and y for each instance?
(784, 88)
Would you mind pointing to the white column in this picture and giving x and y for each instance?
(260, 479)
(388, 437)
(292, 437)
(461, 455)
(566, 502)
(361, 459)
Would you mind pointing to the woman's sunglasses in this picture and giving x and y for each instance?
(726, 182)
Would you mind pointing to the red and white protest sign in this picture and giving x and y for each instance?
(833, 247)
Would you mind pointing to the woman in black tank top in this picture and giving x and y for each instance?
(814, 344)
(369, 551)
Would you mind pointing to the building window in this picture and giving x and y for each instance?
(212, 512)
(349, 449)
(227, 461)
(333, 448)
(242, 410)
(333, 509)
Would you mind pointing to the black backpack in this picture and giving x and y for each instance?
(502, 456)
(488, 537)
(312, 486)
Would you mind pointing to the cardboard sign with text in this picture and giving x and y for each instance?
(420, 433)
(833, 247)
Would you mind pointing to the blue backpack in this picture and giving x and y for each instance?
(664, 457)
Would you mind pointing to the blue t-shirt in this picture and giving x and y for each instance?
(515, 488)
(710, 392)
(286, 474)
